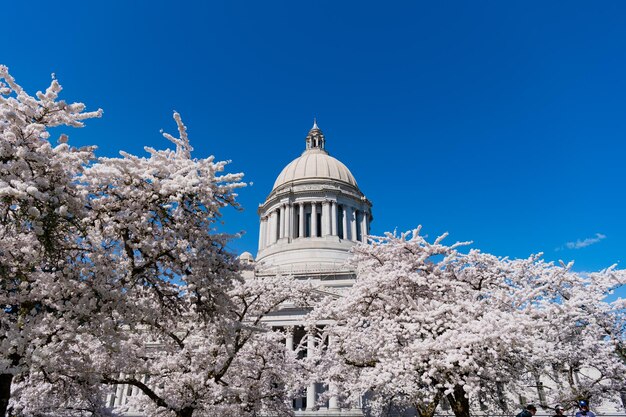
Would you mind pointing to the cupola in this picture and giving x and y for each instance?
(315, 139)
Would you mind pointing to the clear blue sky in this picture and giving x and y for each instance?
(501, 122)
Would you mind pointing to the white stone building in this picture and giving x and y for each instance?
(312, 217)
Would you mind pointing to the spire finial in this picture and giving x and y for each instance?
(315, 123)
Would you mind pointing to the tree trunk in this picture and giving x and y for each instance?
(5, 392)
(428, 409)
(458, 402)
(185, 412)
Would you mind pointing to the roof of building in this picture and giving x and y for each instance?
(315, 163)
(246, 256)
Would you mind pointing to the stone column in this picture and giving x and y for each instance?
(345, 222)
(325, 218)
(274, 227)
(135, 391)
(353, 224)
(289, 339)
(333, 218)
(262, 234)
(268, 230)
(364, 230)
(313, 219)
(311, 395)
(281, 226)
(110, 397)
(288, 221)
(301, 225)
(119, 391)
(333, 403)
(294, 224)
(289, 346)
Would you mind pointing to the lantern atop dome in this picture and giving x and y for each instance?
(315, 139)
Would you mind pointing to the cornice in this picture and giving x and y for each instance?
(319, 188)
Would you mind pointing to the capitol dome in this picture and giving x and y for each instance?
(312, 217)
(314, 163)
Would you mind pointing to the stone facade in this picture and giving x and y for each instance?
(312, 217)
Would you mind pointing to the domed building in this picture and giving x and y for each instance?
(312, 217)
(310, 220)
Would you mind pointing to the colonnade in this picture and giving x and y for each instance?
(313, 219)
(312, 389)
(122, 392)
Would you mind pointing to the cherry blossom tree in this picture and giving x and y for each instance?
(42, 214)
(584, 335)
(211, 354)
(114, 272)
(426, 322)
(231, 365)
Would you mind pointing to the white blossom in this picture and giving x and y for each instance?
(426, 321)
(113, 271)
